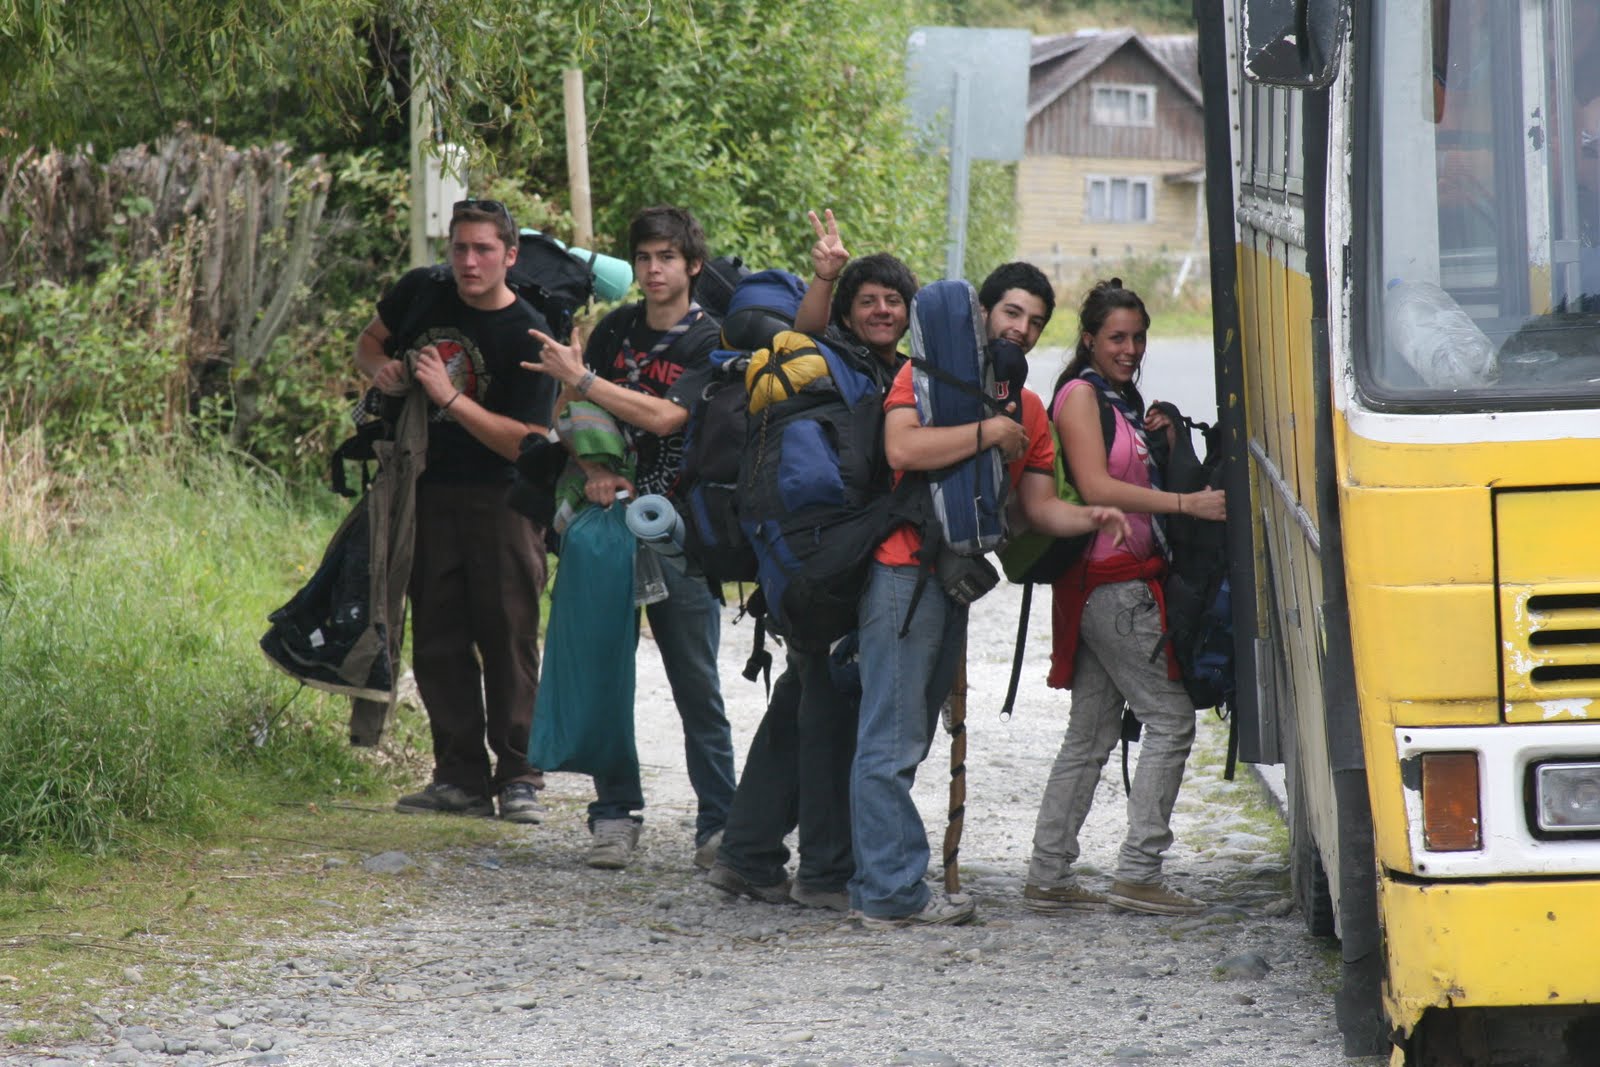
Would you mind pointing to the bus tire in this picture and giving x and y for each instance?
(1307, 878)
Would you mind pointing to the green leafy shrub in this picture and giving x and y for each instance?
(135, 693)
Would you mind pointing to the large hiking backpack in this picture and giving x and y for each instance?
(814, 488)
(953, 380)
(717, 431)
(1199, 605)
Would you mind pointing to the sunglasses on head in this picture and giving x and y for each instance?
(491, 207)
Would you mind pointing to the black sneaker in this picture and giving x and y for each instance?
(735, 884)
(519, 802)
(442, 799)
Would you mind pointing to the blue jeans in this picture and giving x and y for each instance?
(904, 680)
(687, 628)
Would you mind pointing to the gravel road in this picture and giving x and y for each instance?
(529, 956)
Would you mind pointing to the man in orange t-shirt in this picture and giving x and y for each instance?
(905, 679)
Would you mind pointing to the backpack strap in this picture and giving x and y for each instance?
(1131, 729)
(953, 382)
(1016, 655)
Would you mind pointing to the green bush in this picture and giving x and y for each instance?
(135, 692)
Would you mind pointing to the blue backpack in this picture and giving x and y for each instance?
(717, 431)
(814, 492)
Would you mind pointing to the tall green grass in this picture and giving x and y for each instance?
(131, 689)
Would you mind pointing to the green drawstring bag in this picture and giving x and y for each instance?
(583, 717)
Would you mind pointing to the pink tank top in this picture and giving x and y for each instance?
(1126, 463)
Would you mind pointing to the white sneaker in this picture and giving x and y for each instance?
(613, 844)
(942, 909)
(705, 854)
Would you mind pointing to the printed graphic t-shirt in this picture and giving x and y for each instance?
(900, 548)
(678, 374)
(483, 352)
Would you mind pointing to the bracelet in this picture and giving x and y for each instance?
(1180, 502)
(979, 452)
(585, 382)
(824, 278)
(452, 400)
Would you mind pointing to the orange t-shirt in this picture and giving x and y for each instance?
(900, 548)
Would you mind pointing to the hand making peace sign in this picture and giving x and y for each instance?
(828, 255)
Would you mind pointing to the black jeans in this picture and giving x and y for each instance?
(797, 774)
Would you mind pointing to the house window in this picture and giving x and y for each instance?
(1123, 105)
(1119, 199)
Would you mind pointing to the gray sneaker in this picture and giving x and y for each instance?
(829, 899)
(735, 884)
(519, 802)
(705, 854)
(613, 844)
(1069, 897)
(442, 799)
(1152, 898)
(942, 909)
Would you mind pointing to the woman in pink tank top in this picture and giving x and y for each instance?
(1108, 621)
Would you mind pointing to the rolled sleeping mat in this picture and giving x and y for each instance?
(612, 276)
(655, 522)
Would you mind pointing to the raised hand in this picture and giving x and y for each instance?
(562, 362)
(828, 255)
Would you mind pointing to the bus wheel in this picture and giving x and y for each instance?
(1307, 878)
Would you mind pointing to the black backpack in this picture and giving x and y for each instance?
(716, 282)
(1199, 607)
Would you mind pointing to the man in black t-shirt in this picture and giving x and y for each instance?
(479, 567)
(645, 364)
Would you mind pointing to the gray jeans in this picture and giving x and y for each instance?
(1121, 625)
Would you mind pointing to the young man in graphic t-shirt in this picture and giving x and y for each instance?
(645, 365)
(905, 680)
(479, 567)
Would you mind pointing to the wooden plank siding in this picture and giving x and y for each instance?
(1064, 129)
(1051, 202)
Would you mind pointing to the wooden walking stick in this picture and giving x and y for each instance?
(957, 725)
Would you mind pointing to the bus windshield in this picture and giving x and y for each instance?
(1487, 272)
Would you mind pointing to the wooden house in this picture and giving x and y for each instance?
(1115, 156)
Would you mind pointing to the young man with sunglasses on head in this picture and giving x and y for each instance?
(645, 364)
(479, 567)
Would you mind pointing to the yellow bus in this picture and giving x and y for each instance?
(1405, 226)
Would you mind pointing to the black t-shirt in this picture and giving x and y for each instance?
(678, 373)
(483, 351)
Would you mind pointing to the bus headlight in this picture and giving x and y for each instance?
(1568, 796)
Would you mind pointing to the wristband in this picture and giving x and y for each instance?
(452, 400)
(979, 452)
(824, 278)
(585, 382)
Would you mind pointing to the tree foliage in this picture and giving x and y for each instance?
(748, 113)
